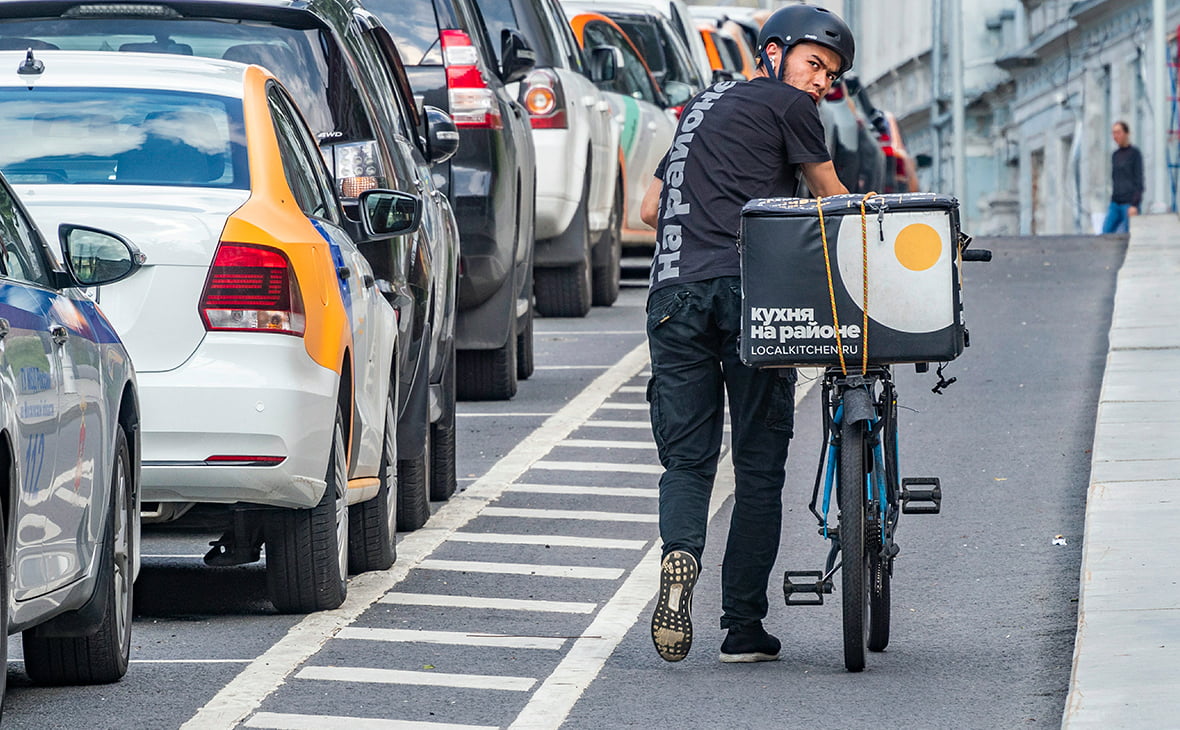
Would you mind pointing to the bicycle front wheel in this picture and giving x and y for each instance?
(854, 570)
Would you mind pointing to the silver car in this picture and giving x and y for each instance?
(69, 447)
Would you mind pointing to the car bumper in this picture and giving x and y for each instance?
(559, 181)
(239, 395)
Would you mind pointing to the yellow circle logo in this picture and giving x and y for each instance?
(918, 247)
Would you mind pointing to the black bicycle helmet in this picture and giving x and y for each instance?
(806, 23)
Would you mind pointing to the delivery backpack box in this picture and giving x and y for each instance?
(911, 243)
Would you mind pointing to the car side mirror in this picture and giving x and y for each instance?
(388, 213)
(95, 257)
(442, 136)
(725, 74)
(604, 64)
(677, 92)
(517, 57)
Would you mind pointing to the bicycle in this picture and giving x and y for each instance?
(859, 465)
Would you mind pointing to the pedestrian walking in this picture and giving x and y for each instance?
(1126, 171)
(735, 141)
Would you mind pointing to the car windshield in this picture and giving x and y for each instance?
(121, 137)
(307, 64)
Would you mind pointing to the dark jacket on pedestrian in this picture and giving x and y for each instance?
(1127, 173)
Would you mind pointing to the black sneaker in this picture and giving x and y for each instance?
(671, 624)
(750, 643)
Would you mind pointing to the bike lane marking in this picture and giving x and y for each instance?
(243, 694)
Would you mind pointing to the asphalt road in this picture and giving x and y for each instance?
(547, 627)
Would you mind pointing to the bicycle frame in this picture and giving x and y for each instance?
(872, 398)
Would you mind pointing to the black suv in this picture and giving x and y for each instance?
(451, 62)
(343, 70)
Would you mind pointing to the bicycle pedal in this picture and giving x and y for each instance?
(921, 496)
(806, 592)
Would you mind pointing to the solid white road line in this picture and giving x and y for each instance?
(285, 721)
(598, 466)
(484, 602)
(191, 661)
(265, 674)
(651, 491)
(633, 389)
(546, 571)
(598, 543)
(568, 514)
(638, 443)
(427, 679)
(624, 407)
(459, 638)
(550, 705)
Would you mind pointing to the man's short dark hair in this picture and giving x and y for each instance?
(1126, 128)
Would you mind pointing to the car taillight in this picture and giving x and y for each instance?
(542, 96)
(836, 94)
(473, 104)
(355, 165)
(676, 111)
(252, 289)
(901, 171)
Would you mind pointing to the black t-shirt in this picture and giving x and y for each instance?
(1127, 175)
(736, 141)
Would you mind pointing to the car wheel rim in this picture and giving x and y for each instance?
(341, 479)
(122, 550)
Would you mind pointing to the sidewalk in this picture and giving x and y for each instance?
(1126, 665)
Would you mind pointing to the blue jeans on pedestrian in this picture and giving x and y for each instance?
(1118, 218)
(693, 332)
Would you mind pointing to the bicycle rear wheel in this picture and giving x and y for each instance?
(854, 570)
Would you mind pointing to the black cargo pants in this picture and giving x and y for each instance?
(692, 332)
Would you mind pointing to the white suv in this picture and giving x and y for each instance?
(579, 211)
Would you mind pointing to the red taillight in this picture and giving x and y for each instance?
(901, 171)
(473, 104)
(836, 94)
(676, 111)
(888, 150)
(252, 289)
(542, 96)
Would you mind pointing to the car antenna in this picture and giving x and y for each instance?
(31, 66)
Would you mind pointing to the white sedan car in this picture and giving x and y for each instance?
(264, 346)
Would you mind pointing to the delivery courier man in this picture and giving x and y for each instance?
(735, 141)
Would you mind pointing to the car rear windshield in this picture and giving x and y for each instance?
(307, 64)
(121, 137)
(415, 30)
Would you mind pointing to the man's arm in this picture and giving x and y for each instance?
(1137, 177)
(822, 180)
(649, 209)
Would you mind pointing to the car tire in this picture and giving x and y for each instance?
(307, 549)
(488, 374)
(608, 276)
(372, 524)
(100, 657)
(443, 479)
(565, 291)
(525, 363)
(413, 490)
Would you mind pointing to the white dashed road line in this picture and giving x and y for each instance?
(568, 514)
(427, 679)
(599, 444)
(545, 571)
(651, 492)
(484, 602)
(597, 543)
(284, 721)
(599, 466)
(457, 638)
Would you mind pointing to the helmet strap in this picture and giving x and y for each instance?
(767, 64)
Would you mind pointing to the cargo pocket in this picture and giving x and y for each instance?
(780, 411)
(664, 308)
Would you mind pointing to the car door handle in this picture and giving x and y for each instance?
(368, 281)
(5, 327)
(343, 272)
(59, 334)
